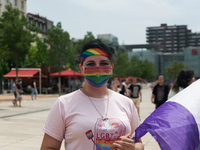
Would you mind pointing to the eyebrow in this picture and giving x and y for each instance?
(94, 61)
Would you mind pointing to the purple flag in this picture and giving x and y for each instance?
(176, 124)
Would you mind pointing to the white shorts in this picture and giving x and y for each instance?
(136, 101)
(18, 95)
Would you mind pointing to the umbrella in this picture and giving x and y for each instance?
(68, 74)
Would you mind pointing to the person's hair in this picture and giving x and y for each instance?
(183, 79)
(160, 76)
(98, 43)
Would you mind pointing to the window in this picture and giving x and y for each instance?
(22, 5)
(181, 33)
(168, 31)
(7, 1)
(15, 3)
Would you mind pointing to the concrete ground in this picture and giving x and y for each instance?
(21, 127)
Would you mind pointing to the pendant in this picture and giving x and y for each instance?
(106, 123)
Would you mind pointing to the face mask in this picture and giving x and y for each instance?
(97, 76)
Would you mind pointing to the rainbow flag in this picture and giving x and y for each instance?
(89, 134)
(93, 51)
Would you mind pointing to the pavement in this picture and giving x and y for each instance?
(21, 127)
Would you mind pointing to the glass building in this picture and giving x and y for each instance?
(190, 57)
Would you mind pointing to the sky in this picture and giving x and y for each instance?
(125, 19)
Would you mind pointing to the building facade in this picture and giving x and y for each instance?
(193, 39)
(41, 22)
(190, 57)
(19, 4)
(112, 40)
(172, 38)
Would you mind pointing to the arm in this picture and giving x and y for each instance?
(50, 143)
(152, 98)
(17, 89)
(34, 84)
(140, 96)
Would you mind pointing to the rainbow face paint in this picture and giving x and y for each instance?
(97, 76)
(93, 51)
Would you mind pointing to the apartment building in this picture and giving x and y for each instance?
(193, 39)
(172, 38)
(41, 22)
(19, 4)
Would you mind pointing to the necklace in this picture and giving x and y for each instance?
(104, 118)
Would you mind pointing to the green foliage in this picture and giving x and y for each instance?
(173, 70)
(148, 70)
(37, 55)
(135, 67)
(121, 65)
(15, 36)
(60, 47)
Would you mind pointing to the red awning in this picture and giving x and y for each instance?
(67, 73)
(23, 74)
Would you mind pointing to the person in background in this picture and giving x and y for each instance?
(93, 117)
(18, 89)
(115, 84)
(125, 86)
(160, 92)
(185, 78)
(34, 90)
(15, 94)
(136, 94)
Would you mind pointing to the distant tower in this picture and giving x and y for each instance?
(19, 4)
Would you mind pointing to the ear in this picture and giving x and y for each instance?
(112, 66)
(81, 68)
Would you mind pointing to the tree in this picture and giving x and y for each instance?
(148, 70)
(135, 67)
(173, 70)
(60, 48)
(121, 65)
(15, 36)
(37, 55)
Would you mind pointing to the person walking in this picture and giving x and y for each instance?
(15, 94)
(18, 89)
(34, 90)
(160, 92)
(185, 78)
(125, 86)
(136, 94)
(93, 117)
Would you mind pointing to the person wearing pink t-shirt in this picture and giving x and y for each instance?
(94, 117)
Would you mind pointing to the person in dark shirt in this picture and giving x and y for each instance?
(18, 89)
(136, 94)
(160, 92)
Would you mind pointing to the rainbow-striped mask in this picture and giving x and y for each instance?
(97, 76)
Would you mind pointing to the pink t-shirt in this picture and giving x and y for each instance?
(74, 118)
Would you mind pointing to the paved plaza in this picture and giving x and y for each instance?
(21, 128)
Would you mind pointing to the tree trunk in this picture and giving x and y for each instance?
(59, 83)
(16, 63)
